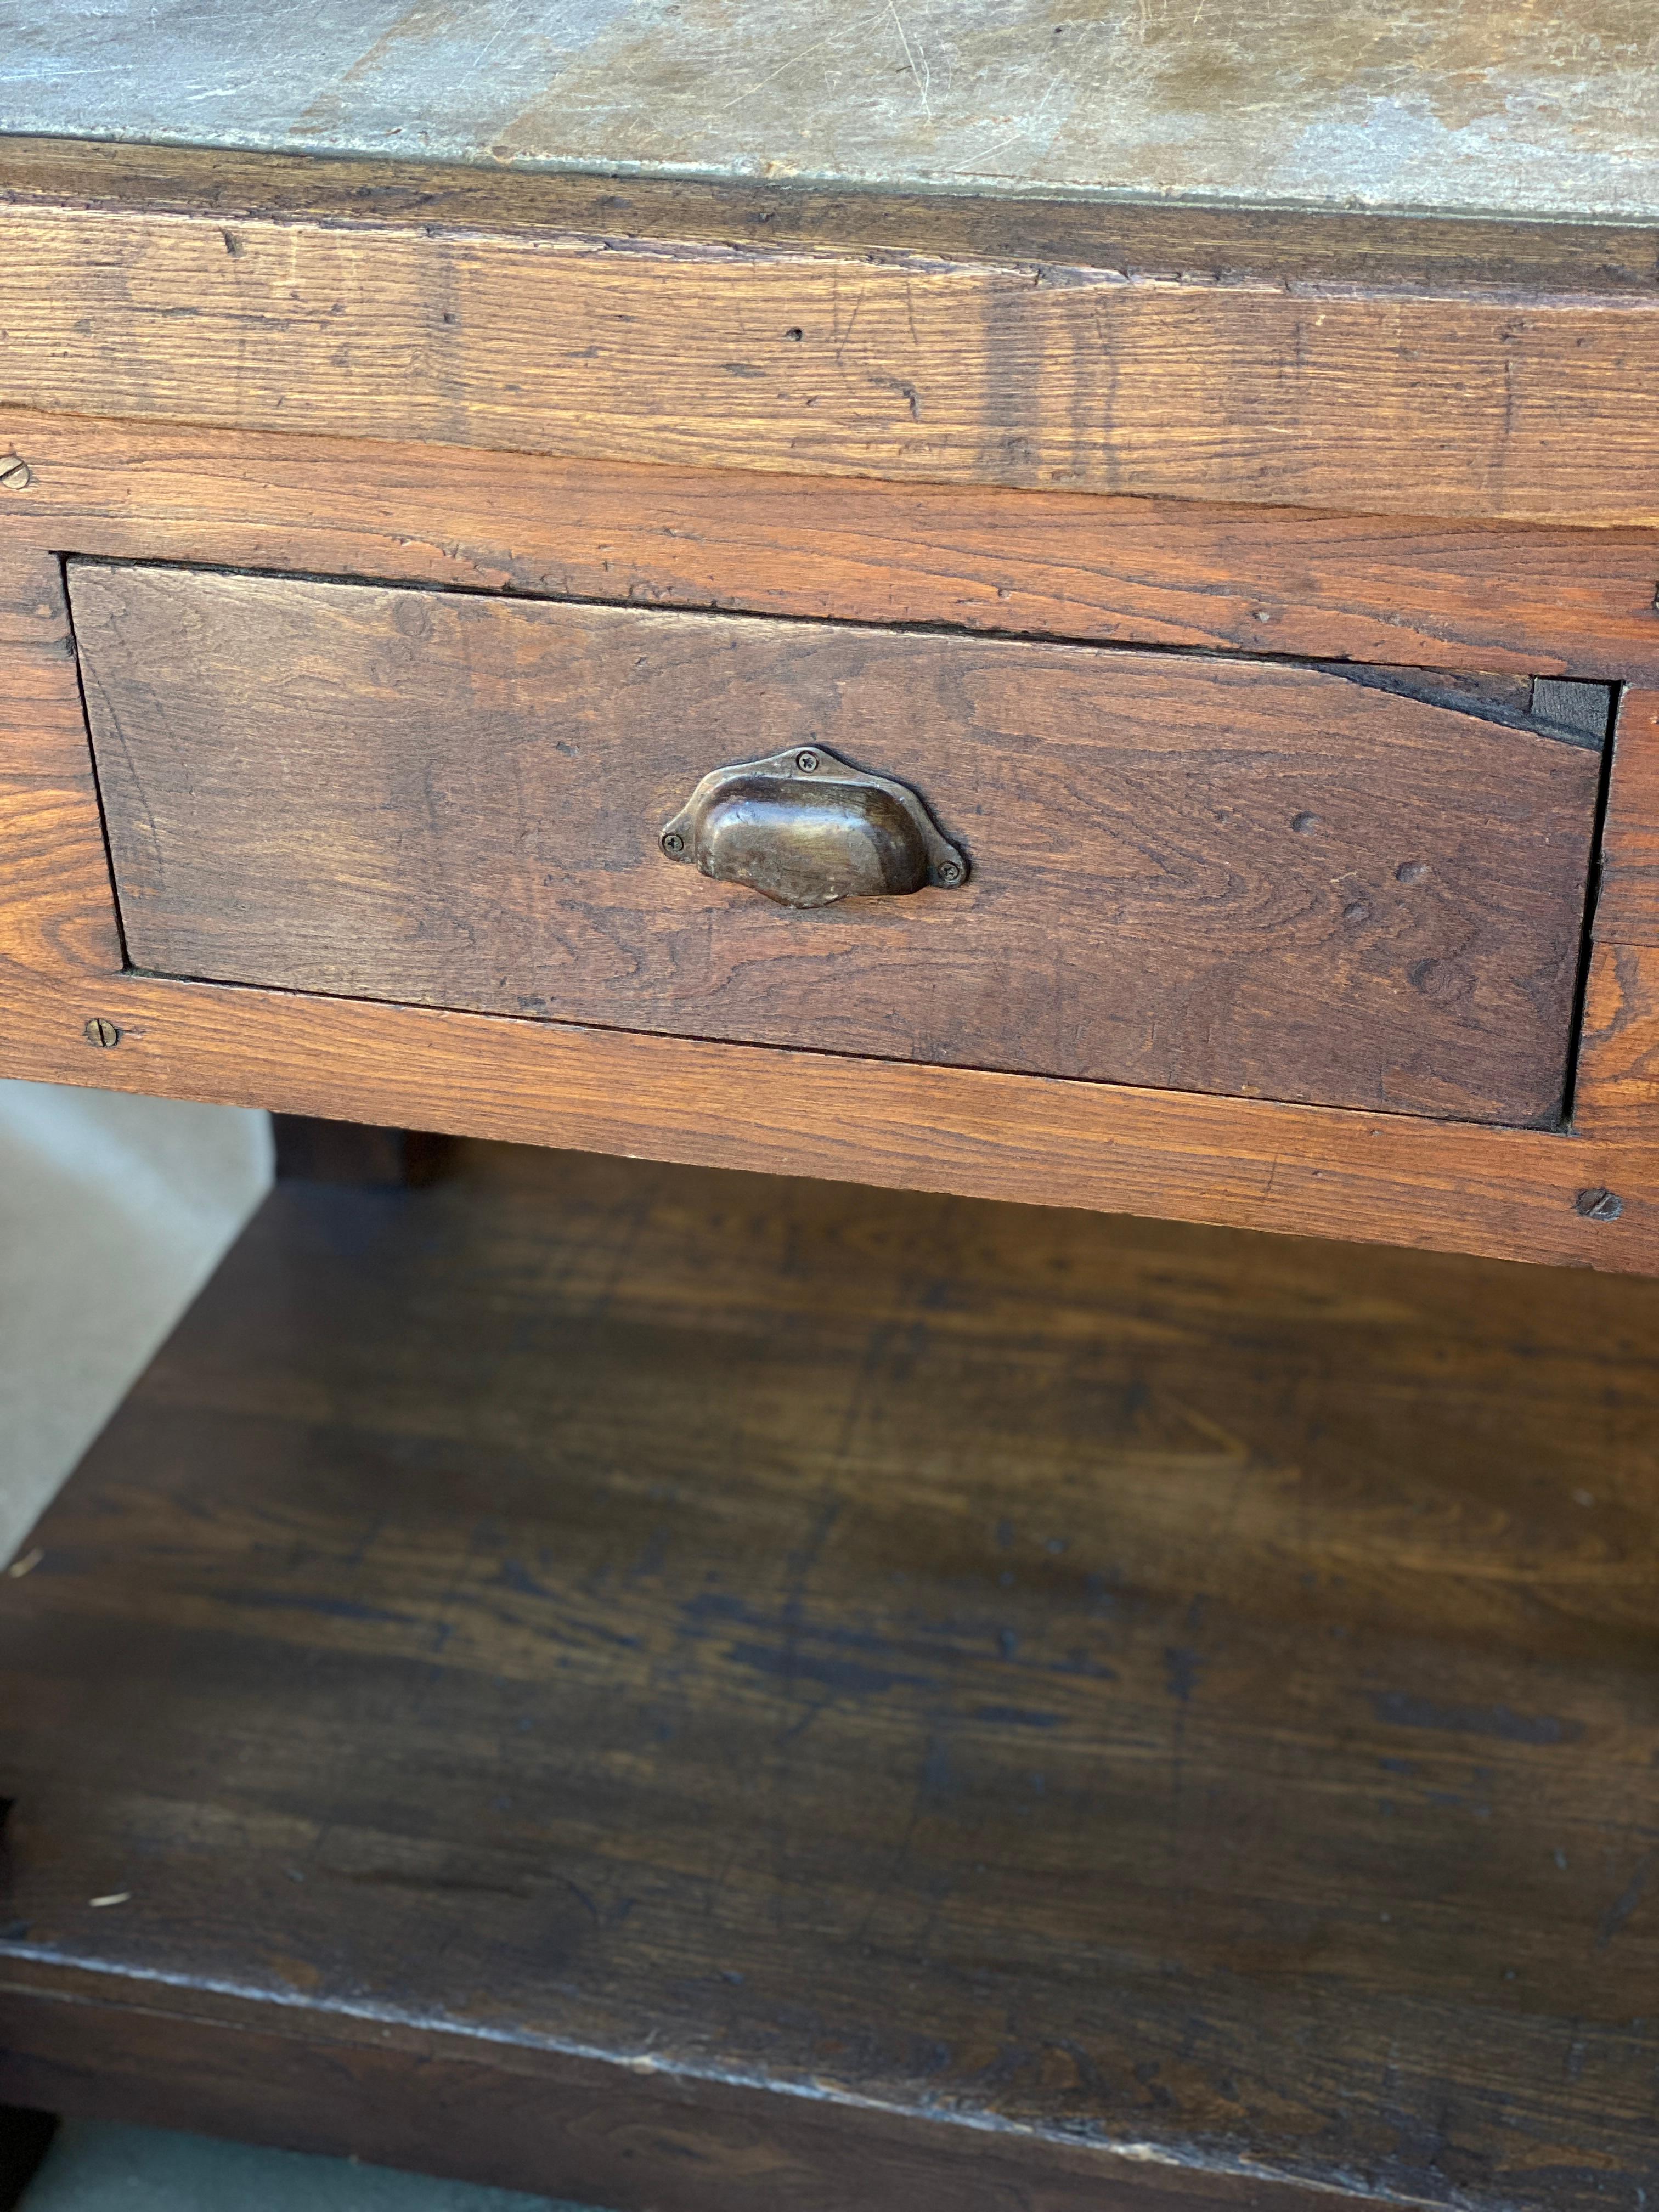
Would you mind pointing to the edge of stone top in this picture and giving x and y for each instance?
(1608, 209)
(1442, 107)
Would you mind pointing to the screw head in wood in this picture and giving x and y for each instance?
(1598, 1205)
(100, 1031)
(15, 474)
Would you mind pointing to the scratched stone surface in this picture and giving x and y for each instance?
(1513, 105)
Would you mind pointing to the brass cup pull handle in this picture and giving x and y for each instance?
(806, 829)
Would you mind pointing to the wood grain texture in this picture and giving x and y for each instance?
(1295, 246)
(1150, 1691)
(1627, 901)
(641, 2136)
(56, 906)
(1226, 877)
(911, 370)
(1457, 595)
(1513, 1194)
(1617, 1090)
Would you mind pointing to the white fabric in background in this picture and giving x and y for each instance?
(113, 1212)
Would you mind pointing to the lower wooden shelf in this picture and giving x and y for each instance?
(693, 1692)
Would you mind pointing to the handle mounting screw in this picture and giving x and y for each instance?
(1597, 1204)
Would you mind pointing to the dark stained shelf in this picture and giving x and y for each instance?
(692, 1691)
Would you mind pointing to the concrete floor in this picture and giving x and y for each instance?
(110, 2169)
(113, 1212)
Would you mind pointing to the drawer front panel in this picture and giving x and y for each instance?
(1250, 877)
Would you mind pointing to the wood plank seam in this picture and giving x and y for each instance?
(117, 917)
(1458, 595)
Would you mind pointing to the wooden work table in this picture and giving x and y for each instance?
(1261, 605)
(838, 623)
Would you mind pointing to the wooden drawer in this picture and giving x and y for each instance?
(1330, 885)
